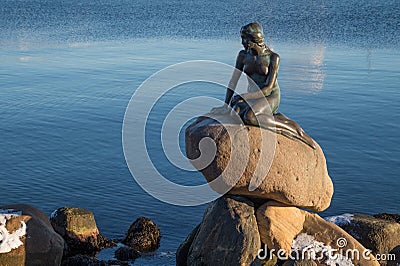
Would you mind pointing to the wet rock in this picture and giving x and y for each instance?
(84, 260)
(298, 174)
(143, 235)
(117, 263)
(126, 253)
(39, 243)
(78, 227)
(228, 234)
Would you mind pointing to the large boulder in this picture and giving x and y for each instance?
(228, 234)
(285, 170)
(279, 226)
(27, 238)
(380, 235)
(183, 249)
(78, 227)
(309, 234)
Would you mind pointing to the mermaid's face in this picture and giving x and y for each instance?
(245, 43)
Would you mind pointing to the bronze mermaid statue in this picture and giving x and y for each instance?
(259, 106)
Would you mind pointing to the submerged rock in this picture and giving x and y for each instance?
(228, 234)
(298, 174)
(126, 253)
(84, 260)
(39, 243)
(143, 235)
(78, 227)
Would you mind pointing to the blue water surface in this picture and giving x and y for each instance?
(69, 68)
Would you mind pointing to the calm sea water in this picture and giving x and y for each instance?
(69, 68)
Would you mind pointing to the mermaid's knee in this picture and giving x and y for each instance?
(236, 108)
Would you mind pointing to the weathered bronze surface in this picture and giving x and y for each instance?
(258, 107)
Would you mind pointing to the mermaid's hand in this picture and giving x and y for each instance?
(236, 99)
(221, 110)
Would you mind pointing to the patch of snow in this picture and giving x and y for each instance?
(10, 241)
(10, 211)
(53, 214)
(340, 219)
(306, 247)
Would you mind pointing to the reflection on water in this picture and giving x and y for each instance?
(318, 73)
(306, 66)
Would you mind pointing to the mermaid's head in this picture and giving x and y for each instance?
(252, 32)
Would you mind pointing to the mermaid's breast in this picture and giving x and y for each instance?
(256, 82)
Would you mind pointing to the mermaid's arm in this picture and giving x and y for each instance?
(232, 85)
(235, 76)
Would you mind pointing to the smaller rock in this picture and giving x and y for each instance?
(143, 235)
(126, 253)
(38, 243)
(75, 223)
(78, 227)
(228, 234)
